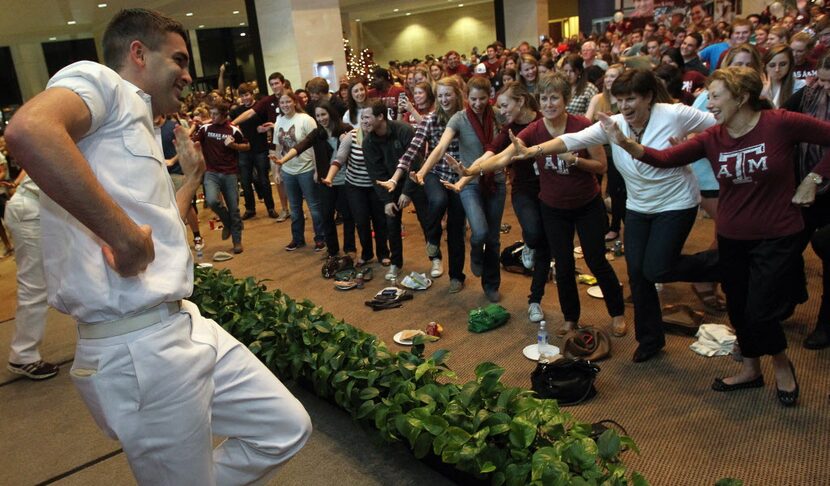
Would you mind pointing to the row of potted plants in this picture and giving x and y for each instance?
(491, 432)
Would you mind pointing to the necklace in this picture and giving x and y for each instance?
(639, 134)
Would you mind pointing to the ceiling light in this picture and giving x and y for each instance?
(242, 34)
(53, 38)
(395, 10)
(357, 20)
(235, 12)
(460, 4)
(201, 26)
(71, 22)
(102, 5)
(409, 13)
(189, 14)
(241, 23)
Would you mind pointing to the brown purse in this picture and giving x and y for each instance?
(588, 343)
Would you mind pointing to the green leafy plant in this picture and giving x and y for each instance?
(481, 427)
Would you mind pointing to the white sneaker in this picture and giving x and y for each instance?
(528, 254)
(392, 274)
(535, 313)
(437, 268)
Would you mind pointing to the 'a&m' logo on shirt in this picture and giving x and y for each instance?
(741, 164)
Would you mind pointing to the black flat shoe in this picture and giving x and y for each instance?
(788, 398)
(644, 354)
(818, 339)
(721, 386)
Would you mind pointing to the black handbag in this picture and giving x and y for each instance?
(568, 381)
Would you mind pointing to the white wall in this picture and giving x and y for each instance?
(458, 28)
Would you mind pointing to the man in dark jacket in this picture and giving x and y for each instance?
(385, 142)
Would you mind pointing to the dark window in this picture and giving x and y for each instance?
(9, 88)
(61, 54)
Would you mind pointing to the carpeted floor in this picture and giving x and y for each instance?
(688, 434)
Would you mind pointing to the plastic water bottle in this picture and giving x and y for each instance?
(542, 338)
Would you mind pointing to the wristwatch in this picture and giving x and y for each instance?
(817, 179)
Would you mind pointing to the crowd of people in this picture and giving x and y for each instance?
(649, 121)
(450, 136)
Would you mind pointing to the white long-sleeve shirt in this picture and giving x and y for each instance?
(651, 190)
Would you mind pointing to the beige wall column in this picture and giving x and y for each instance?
(195, 54)
(30, 66)
(297, 33)
(525, 20)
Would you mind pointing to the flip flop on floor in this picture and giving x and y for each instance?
(710, 298)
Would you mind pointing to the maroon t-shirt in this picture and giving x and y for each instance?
(804, 70)
(523, 177)
(219, 157)
(462, 70)
(560, 186)
(755, 172)
(267, 108)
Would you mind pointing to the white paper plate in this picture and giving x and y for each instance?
(205, 265)
(404, 342)
(531, 351)
(595, 292)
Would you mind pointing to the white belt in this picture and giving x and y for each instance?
(117, 327)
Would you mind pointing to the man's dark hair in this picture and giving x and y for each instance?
(222, 107)
(245, 88)
(697, 37)
(147, 26)
(277, 76)
(317, 85)
(378, 107)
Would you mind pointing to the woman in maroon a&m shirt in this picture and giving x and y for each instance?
(752, 151)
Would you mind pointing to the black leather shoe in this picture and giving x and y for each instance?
(788, 398)
(719, 385)
(273, 214)
(818, 339)
(644, 354)
(248, 215)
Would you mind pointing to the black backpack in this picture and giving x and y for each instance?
(511, 259)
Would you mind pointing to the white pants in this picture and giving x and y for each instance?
(23, 220)
(163, 391)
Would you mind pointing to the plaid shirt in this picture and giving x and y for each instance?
(579, 103)
(428, 134)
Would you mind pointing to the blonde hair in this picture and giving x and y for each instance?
(555, 83)
(740, 81)
(453, 83)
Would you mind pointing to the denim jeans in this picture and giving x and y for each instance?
(484, 214)
(652, 246)
(253, 169)
(367, 211)
(333, 200)
(527, 211)
(589, 223)
(227, 185)
(443, 200)
(297, 188)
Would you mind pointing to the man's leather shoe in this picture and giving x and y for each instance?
(248, 215)
(644, 354)
(273, 214)
(818, 339)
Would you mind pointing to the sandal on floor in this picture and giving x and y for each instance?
(788, 398)
(681, 318)
(721, 386)
(710, 299)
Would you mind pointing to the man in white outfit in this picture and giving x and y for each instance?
(23, 220)
(153, 372)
